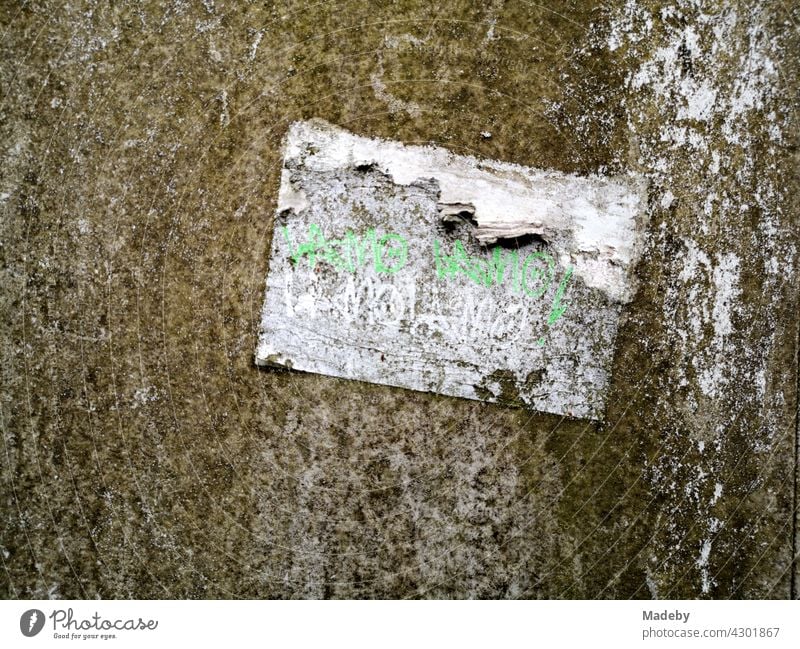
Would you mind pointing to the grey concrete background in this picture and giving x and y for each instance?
(144, 455)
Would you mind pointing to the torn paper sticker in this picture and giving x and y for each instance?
(414, 267)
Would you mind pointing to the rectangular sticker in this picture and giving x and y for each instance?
(414, 267)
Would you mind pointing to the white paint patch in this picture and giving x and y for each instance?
(702, 563)
(375, 276)
(395, 104)
(224, 116)
(254, 45)
(700, 100)
(726, 280)
(592, 219)
(717, 493)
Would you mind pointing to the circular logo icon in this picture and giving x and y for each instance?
(31, 622)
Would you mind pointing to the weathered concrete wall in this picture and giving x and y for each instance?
(144, 455)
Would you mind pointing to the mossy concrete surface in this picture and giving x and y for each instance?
(143, 453)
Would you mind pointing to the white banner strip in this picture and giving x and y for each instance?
(380, 625)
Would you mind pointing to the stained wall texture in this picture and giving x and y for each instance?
(145, 455)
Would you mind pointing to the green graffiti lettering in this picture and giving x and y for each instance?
(533, 276)
(537, 274)
(477, 269)
(481, 268)
(316, 241)
(498, 264)
(357, 247)
(332, 256)
(557, 309)
(292, 251)
(447, 265)
(398, 253)
(441, 272)
(389, 252)
(465, 264)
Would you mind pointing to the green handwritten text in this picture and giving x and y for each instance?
(533, 276)
(389, 252)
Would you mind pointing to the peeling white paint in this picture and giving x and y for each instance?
(418, 328)
(597, 221)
